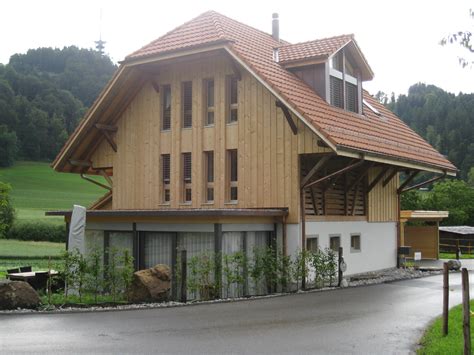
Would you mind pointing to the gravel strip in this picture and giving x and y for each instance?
(372, 278)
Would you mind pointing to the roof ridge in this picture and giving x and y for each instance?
(351, 35)
(217, 23)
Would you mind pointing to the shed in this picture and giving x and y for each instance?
(456, 236)
(423, 236)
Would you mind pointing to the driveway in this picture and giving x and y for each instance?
(386, 318)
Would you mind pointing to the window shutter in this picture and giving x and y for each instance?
(187, 104)
(187, 167)
(351, 97)
(336, 92)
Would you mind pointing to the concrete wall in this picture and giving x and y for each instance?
(378, 242)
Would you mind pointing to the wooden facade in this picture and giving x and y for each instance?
(268, 151)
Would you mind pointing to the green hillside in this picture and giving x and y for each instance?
(36, 188)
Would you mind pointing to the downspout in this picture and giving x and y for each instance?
(303, 237)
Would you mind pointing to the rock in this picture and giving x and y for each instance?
(344, 283)
(18, 294)
(454, 264)
(151, 285)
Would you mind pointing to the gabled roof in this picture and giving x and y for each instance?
(346, 132)
(320, 48)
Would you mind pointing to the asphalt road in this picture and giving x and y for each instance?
(381, 319)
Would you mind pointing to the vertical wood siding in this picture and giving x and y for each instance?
(382, 201)
(268, 163)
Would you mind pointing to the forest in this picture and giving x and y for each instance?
(43, 95)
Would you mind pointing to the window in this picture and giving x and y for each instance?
(165, 173)
(343, 83)
(187, 102)
(232, 99)
(166, 108)
(232, 172)
(334, 243)
(209, 175)
(209, 102)
(355, 242)
(186, 177)
(312, 243)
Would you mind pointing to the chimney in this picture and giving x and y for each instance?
(275, 27)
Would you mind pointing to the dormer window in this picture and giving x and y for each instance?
(344, 84)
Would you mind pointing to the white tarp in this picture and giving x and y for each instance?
(77, 229)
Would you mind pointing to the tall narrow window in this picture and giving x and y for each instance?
(165, 173)
(232, 169)
(187, 192)
(343, 83)
(232, 99)
(187, 100)
(166, 108)
(209, 175)
(209, 102)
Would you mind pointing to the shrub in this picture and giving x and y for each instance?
(38, 231)
(7, 213)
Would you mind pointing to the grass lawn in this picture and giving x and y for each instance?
(36, 188)
(434, 343)
(16, 253)
(453, 256)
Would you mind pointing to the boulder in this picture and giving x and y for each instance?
(151, 285)
(17, 294)
(454, 264)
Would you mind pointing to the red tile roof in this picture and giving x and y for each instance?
(387, 136)
(320, 48)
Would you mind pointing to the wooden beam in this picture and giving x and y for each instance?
(106, 177)
(320, 163)
(408, 180)
(155, 85)
(85, 177)
(110, 140)
(81, 163)
(360, 177)
(377, 179)
(288, 117)
(313, 200)
(354, 200)
(421, 184)
(106, 127)
(390, 177)
(343, 170)
(236, 70)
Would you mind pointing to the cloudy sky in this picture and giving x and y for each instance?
(400, 39)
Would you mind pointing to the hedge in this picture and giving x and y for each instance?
(38, 231)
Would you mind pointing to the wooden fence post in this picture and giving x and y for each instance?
(445, 299)
(466, 324)
(184, 273)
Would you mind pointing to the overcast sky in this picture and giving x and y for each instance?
(400, 38)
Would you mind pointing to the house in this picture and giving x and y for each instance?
(218, 136)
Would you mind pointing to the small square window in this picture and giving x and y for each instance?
(335, 243)
(312, 243)
(355, 242)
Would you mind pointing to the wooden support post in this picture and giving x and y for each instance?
(377, 179)
(445, 298)
(136, 248)
(407, 181)
(288, 117)
(321, 162)
(184, 274)
(245, 270)
(336, 173)
(174, 258)
(457, 249)
(303, 238)
(339, 270)
(218, 258)
(466, 324)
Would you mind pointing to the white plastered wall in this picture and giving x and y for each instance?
(378, 242)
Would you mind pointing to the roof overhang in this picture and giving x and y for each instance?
(191, 212)
(423, 215)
